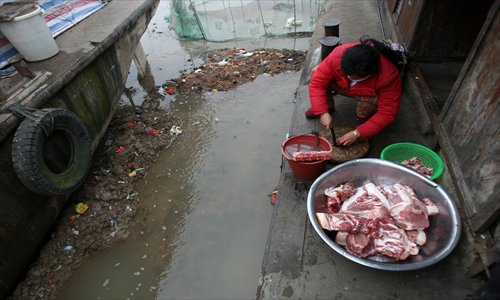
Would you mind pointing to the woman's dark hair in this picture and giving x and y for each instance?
(363, 59)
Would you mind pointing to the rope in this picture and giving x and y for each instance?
(198, 20)
(295, 20)
(234, 24)
(262, 16)
(30, 113)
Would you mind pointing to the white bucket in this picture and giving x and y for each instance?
(30, 35)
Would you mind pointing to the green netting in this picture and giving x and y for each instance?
(183, 20)
(224, 20)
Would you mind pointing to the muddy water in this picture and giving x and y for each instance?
(206, 209)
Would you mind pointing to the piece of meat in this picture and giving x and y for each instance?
(395, 194)
(360, 244)
(311, 155)
(373, 220)
(339, 222)
(371, 189)
(353, 221)
(417, 236)
(367, 197)
(408, 212)
(432, 209)
(336, 196)
(354, 198)
(324, 221)
(416, 164)
(341, 238)
(393, 242)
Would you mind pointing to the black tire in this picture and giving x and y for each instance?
(51, 152)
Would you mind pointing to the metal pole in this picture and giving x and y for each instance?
(332, 28)
(328, 43)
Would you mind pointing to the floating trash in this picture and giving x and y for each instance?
(105, 283)
(132, 124)
(170, 90)
(290, 22)
(162, 91)
(120, 149)
(175, 130)
(72, 217)
(223, 62)
(274, 196)
(81, 208)
(113, 223)
(246, 54)
(153, 131)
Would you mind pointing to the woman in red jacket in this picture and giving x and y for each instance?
(366, 72)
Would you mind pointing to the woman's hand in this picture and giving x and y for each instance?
(349, 138)
(326, 120)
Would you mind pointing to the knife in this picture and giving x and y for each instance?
(334, 138)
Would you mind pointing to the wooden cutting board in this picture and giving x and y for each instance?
(342, 154)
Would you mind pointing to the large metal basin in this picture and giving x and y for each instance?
(444, 230)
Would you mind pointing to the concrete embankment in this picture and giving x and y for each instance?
(297, 263)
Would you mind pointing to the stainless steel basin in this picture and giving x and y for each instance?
(444, 230)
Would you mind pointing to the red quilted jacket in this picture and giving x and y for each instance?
(385, 85)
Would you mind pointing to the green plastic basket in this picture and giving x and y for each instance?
(402, 151)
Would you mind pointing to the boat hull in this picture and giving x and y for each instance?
(92, 94)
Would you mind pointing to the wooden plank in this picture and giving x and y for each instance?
(470, 124)
(392, 5)
(408, 19)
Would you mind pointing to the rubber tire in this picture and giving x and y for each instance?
(28, 157)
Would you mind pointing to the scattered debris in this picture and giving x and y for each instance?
(81, 208)
(290, 22)
(274, 197)
(106, 282)
(162, 91)
(225, 69)
(170, 90)
(175, 130)
(120, 149)
(111, 201)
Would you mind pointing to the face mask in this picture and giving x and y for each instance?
(354, 82)
(358, 80)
